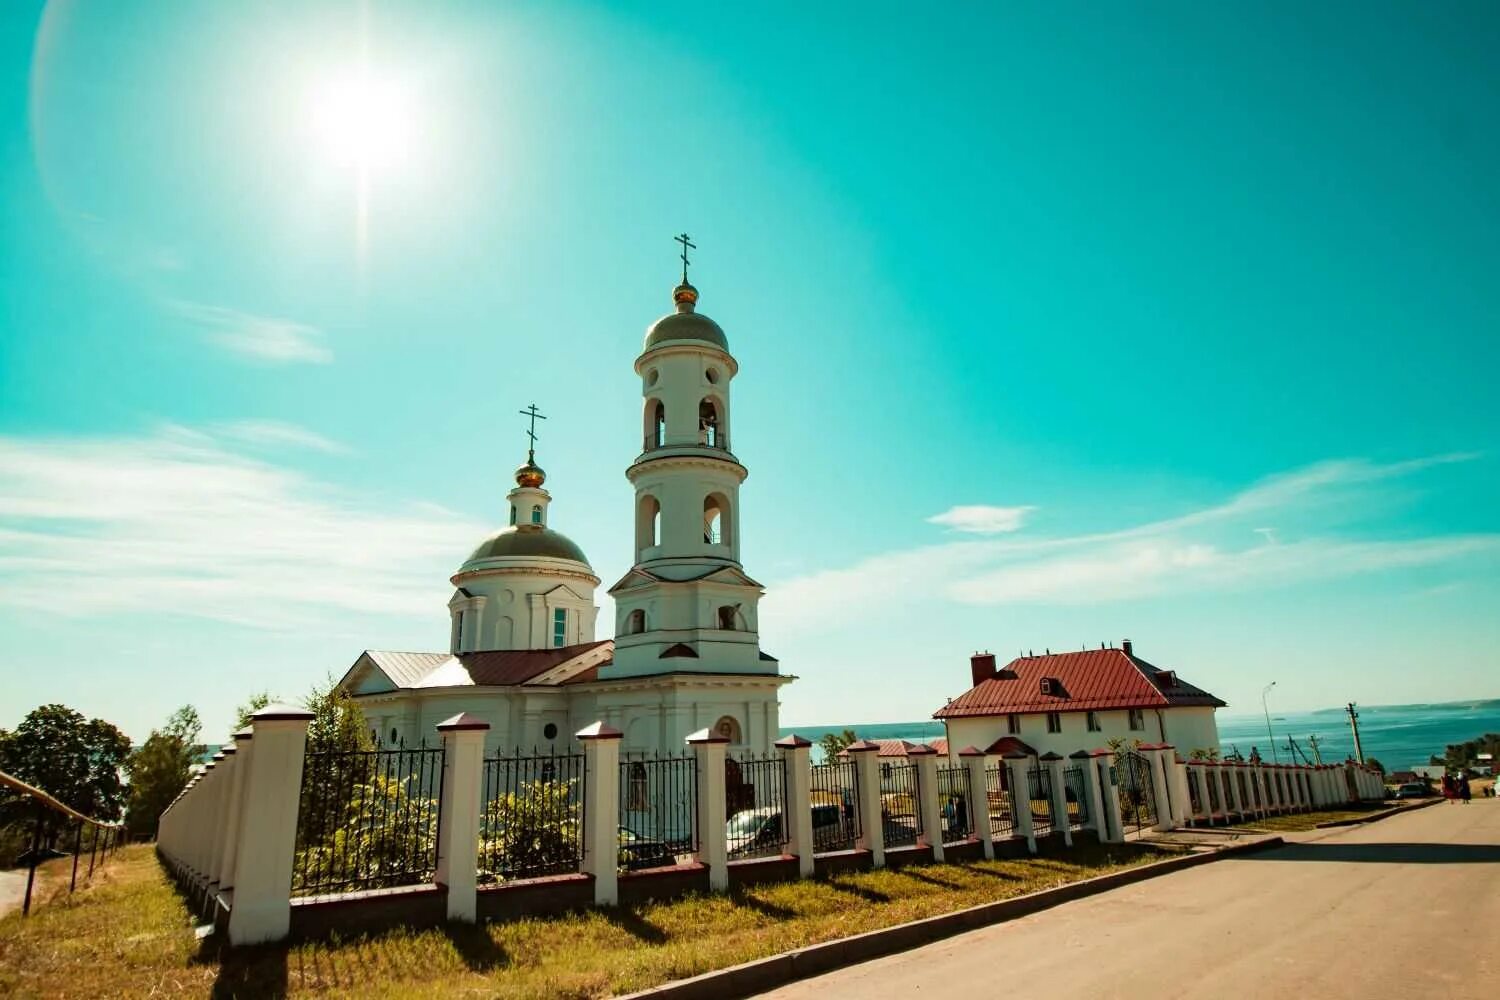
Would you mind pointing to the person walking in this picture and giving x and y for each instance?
(1463, 787)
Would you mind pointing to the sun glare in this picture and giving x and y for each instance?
(361, 121)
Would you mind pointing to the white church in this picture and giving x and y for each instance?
(523, 652)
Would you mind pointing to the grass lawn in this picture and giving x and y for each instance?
(129, 934)
(1297, 822)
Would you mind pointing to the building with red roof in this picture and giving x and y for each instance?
(1064, 702)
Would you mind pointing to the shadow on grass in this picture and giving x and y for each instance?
(920, 876)
(763, 907)
(868, 895)
(480, 952)
(634, 924)
(259, 971)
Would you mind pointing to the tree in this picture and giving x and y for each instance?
(337, 723)
(75, 760)
(160, 769)
(833, 744)
(255, 704)
(1371, 762)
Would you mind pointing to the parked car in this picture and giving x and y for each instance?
(753, 831)
(1412, 790)
(637, 852)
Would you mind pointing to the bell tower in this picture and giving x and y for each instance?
(687, 604)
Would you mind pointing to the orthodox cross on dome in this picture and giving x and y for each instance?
(687, 244)
(535, 415)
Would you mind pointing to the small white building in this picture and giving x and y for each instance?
(1065, 702)
(522, 652)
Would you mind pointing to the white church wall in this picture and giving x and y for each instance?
(513, 610)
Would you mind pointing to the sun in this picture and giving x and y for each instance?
(361, 120)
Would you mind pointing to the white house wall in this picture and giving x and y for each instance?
(1184, 728)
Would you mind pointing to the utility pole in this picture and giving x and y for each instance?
(1359, 753)
(1269, 732)
(1312, 741)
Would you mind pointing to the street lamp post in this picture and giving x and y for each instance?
(1275, 758)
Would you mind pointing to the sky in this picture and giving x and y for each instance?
(1174, 322)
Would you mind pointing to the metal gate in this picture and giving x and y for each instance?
(1137, 794)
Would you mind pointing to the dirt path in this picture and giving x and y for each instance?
(12, 890)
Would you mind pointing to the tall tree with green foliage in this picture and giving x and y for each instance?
(160, 769)
(833, 744)
(76, 760)
(256, 702)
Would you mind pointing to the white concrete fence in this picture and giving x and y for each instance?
(231, 835)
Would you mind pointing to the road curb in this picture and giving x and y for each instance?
(778, 970)
(1383, 814)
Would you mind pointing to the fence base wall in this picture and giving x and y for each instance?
(964, 850)
(895, 857)
(537, 897)
(662, 884)
(315, 918)
(762, 870)
(841, 862)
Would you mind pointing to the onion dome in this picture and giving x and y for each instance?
(530, 475)
(685, 324)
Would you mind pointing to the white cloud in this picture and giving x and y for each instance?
(978, 519)
(264, 338)
(177, 523)
(1317, 510)
(276, 433)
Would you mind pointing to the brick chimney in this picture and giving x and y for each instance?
(982, 666)
(1126, 645)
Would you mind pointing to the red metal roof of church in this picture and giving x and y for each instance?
(1090, 680)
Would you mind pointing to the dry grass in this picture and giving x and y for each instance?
(131, 935)
(1298, 822)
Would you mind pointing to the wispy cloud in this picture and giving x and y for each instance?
(273, 434)
(978, 519)
(263, 338)
(179, 523)
(1315, 535)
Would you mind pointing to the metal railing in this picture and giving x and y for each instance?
(720, 442)
(755, 806)
(368, 819)
(1039, 790)
(835, 806)
(954, 803)
(997, 798)
(900, 815)
(532, 823)
(658, 811)
(1195, 796)
(1077, 796)
(52, 821)
(1215, 806)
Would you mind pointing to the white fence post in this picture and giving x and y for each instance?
(866, 757)
(233, 815)
(601, 810)
(975, 760)
(713, 847)
(262, 905)
(229, 779)
(1057, 784)
(796, 758)
(458, 813)
(1114, 831)
(1020, 797)
(931, 835)
(1093, 797)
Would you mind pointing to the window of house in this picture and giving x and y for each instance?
(1013, 724)
(1093, 722)
(559, 627)
(1054, 722)
(1137, 719)
(394, 739)
(536, 514)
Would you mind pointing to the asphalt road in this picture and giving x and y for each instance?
(1366, 911)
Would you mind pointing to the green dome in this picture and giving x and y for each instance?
(685, 326)
(525, 540)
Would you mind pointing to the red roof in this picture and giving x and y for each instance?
(1086, 681)
(1010, 744)
(899, 748)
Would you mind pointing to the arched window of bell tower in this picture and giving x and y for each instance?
(635, 622)
(655, 426)
(729, 617)
(716, 520)
(647, 524)
(711, 429)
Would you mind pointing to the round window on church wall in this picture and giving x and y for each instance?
(651, 377)
(549, 731)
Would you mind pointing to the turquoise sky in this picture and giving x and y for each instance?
(1058, 324)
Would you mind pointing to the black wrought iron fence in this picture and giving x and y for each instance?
(532, 819)
(658, 811)
(368, 819)
(1039, 789)
(1001, 818)
(1195, 793)
(755, 806)
(900, 814)
(1076, 789)
(1136, 793)
(1215, 801)
(835, 806)
(955, 802)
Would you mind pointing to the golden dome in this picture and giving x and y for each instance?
(530, 475)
